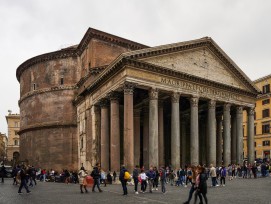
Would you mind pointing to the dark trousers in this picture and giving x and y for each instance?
(23, 184)
(136, 183)
(163, 187)
(2, 177)
(192, 189)
(155, 183)
(96, 183)
(222, 180)
(213, 181)
(124, 186)
(143, 185)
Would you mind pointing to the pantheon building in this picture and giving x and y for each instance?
(115, 101)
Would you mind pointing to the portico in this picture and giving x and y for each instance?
(170, 105)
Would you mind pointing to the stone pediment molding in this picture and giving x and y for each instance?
(193, 44)
(77, 50)
(120, 64)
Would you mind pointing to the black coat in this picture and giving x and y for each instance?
(202, 183)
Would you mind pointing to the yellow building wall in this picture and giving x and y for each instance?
(259, 121)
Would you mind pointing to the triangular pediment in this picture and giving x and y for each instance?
(198, 62)
(201, 58)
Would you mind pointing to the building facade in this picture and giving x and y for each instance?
(114, 101)
(13, 145)
(262, 124)
(3, 146)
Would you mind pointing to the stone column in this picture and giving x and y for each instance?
(194, 131)
(153, 127)
(239, 135)
(233, 138)
(227, 134)
(211, 125)
(250, 135)
(114, 132)
(137, 136)
(146, 137)
(161, 133)
(96, 147)
(184, 142)
(104, 134)
(219, 141)
(175, 130)
(128, 139)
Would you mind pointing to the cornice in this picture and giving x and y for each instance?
(97, 34)
(60, 54)
(46, 126)
(75, 51)
(46, 90)
(111, 70)
(188, 45)
(262, 79)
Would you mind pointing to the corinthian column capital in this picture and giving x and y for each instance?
(227, 107)
(128, 87)
(153, 94)
(175, 97)
(239, 110)
(211, 104)
(251, 111)
(194, 101)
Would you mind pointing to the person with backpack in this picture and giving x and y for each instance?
(123, 177)
(23, 177)
(81, 176)
(95, 174)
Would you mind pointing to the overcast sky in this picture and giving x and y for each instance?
(242, 28)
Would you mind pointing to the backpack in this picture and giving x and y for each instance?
(127, 175)
(92, 174)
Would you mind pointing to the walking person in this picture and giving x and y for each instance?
(95, 174)
(156, 179)
(123, 177)
(193, 181)
(223, 173)
(3, 172)
(23, 176)
(163, 180)
(143, 178)
(201, 185)
(114, 176)
(135, 177)
(82, 179)
(103, 178)
(213, 175)
(151, 177)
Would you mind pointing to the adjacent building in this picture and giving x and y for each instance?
(3, 146)
(13, 145)
(115, 101)
(262, 124)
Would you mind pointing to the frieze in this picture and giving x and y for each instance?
(202, 90)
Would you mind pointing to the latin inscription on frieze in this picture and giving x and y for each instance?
(201, 90)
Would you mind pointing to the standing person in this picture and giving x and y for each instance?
(188, 176)
(143, 178)
(103, 178)
(193, 181)
(14, 175)
(23, 176)
(109, 178)
(201, 184)
(151, 177)
(182, 176)
(230, 172)
(114, 176)
(123, 179)
(156, 179)
(95, 174)
(223, 173)
(67, 176)
(213, 175)
(135, 177)
(82, 176)
(3, 172)
(163, 179)
(233, 171)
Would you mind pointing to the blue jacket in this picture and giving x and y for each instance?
(121, 176)
(223, 172)
(151, 175)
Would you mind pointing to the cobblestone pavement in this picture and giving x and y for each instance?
(236, 191)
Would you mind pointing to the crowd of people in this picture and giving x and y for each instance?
(148, 179)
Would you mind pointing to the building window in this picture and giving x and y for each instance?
(266, 143)
(255, 130)
(266, 128)
(34, 87)
(61, 81)
(255, 144)
(266, 113)
(15, 142)
(16, 132)
(16, 124)
(255, 116)
(266, 89)
(266, 101)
